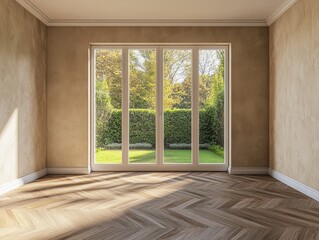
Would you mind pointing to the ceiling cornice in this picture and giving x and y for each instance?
(280, 11)
(27, 4)
(156, 22)
(35, 11)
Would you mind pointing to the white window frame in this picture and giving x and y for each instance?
(159, 165)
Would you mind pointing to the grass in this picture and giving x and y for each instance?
(148, 156)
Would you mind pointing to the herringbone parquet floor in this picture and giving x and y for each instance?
(158, 206)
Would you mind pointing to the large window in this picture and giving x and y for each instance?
(159, 108)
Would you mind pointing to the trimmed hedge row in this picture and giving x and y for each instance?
(118, 146)
(177, 127)
(179, 146)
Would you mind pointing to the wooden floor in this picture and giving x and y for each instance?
(158, 206)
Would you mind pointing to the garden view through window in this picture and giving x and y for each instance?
(145, 110)
(142, 112)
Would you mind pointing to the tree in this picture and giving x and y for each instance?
(217, 89)
(108, 89)
(177, 79)
(209, 63)
(142, 79)
(109, 69)
(103, 109)
(205, 89)
(215, 102)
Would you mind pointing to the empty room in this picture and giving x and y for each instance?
(149, 119)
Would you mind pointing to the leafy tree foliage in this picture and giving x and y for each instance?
(177, 79)
(109, 69)
(142, 79)
(215, 102)
(103, 108)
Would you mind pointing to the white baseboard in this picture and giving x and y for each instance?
(295, 184)
(248, 170)
(71, 171)
(4, 188)
(21, 181)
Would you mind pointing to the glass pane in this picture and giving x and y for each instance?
(177, 105)
(211, 104)
(142, 112)
(108, 105)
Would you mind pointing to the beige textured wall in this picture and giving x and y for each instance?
(67, 91)
(294, 93)
(22, 92)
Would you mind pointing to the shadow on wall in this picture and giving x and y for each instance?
(9, 140)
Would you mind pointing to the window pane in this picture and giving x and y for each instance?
(142, 112)
(108, 105)
(177, 105)
(211, 104)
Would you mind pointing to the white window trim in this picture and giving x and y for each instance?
(160, 166)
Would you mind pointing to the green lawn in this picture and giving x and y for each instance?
(148, 156)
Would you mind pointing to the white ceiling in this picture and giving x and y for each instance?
(157, 12)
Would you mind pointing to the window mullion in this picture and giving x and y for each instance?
(159, 106)
(125, 106)
(195, 106)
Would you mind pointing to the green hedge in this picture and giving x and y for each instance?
(142, 126)
(177, 127)
(113, 129)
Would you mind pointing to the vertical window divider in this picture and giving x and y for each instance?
(125, 106)
(227, 107)
(159, 106)
(92, 106)
(195, 105)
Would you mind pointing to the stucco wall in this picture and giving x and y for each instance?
(67, 90)
(294, 93)
(22, 92)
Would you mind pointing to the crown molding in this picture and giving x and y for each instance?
(33, 9)
(280, 11)
(156, 22)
